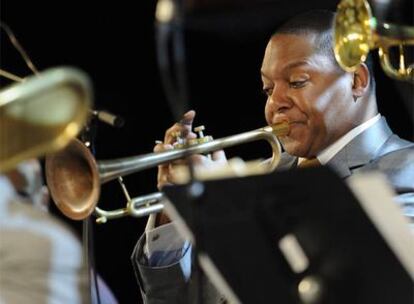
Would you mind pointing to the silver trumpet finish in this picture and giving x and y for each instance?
(137, 207)
(109, 170)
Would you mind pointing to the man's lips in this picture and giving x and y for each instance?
(279, 118)
(292, 122)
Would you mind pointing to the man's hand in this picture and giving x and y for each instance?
(184, 128)
(166, 171)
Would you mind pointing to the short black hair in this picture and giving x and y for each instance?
(321, 23)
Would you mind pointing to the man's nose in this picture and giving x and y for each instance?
(279, 100)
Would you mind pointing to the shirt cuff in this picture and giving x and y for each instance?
(164, 245)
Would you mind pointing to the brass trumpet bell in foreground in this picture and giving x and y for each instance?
(42, 114)
(357, 32)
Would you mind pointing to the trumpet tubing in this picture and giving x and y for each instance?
(137, 207)
(109, 170)
(74, 177)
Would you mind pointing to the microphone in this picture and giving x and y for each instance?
(109, 118)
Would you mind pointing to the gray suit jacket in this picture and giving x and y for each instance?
(377, 148)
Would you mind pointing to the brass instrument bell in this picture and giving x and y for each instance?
(357, 32)
(42, 114)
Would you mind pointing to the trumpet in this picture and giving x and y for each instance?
(74, 176)
(357, 32)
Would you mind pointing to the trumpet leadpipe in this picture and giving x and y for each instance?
(109, 170)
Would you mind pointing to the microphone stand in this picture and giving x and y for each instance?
(169, 26)
(88, 137)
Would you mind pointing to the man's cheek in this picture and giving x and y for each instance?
(299, 132)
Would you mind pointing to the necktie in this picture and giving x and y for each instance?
(309, 162)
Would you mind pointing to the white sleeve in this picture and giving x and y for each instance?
(164, 245)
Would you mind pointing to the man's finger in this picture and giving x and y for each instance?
(188, 118)
(219, 156)
(183, 128)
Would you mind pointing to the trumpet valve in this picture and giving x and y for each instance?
(183, 143)
(179, 141)
(177, 136)
(201, 137)
(200, 130)
(204, 139)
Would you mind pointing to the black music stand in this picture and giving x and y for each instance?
(240, 223)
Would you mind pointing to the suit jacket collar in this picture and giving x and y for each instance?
(362, 149)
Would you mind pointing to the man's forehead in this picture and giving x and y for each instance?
(291, 45)
(289, 51)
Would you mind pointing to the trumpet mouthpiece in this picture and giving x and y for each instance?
(280, 129)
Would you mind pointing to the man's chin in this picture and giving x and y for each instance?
(293, 148)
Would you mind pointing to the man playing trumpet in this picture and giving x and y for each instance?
(333, 120)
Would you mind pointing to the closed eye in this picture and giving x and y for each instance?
(297, 84)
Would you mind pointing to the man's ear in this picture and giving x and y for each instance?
(360, 83)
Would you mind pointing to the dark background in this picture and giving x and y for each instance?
(114, 43)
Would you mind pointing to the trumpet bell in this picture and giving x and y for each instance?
(73, 180)
(42, 114)
(357, 32)
(353, 34)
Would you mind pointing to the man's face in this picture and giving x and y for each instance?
(309, 91)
